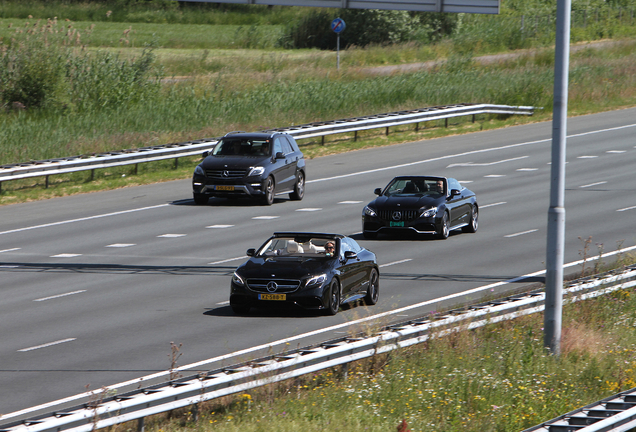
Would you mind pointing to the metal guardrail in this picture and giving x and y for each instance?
(107, 410)
(174, 151)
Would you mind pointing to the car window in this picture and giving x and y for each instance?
(298, 247)
(454, 184)
(351, 245)
(286, 146)
(278, 147)
(293, 143)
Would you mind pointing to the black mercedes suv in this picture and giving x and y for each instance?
(257, 165)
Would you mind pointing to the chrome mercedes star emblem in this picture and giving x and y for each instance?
(396, 215)
(272, 286)
(226, 173)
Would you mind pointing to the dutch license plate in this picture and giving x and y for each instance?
(396, 224)
(272, 297)
(224, 188)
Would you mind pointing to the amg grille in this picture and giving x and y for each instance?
(281, 285)
(405, 215)
(225, 174)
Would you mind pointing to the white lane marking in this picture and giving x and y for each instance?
(494, 175)
(9, 266)
(593, 184)
(471, 164)
(464, 181)
(65, 255)
(226, 302)
(228, 260)
(586, 157)
(171, 235)
(59, 295)
(220, 226)
(265, 217)
(527, 169)
(493, 204)
(395, 262)
(350, 202)
(309, 209)
(243, 353)
(616, 151)
(120, 245)
(627, 208)
(82, 219)
(9, 250)
(521, 233)
(46, 345)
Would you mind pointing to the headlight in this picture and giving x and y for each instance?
(237, 279)
(256, 171)
(316, 280)
(428, 212)
(369, 211)
(199, 171)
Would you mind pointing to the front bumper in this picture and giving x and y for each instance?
(204, 186)
(307, 298)
(374, 224)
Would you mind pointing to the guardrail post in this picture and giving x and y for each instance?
(176, 163)
(141, 425)
(473, 118)
(136, 165)
(387, 131)
(355, 136)
(446, 122)
(46, 182)
(92, 174)
(0, 187)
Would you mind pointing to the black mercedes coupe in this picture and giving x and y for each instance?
(421, 205)
(312, 270)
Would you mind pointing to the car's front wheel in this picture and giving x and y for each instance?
(473, 223)
(444, 228)
(299, 188)
(268, 190)
(200, 199)
(373, 291)
(334, 298)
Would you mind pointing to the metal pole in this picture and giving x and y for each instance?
(556, 213)
(338, 51)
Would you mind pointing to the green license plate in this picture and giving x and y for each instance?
(224, 188)
(278, 297)
(396, 224)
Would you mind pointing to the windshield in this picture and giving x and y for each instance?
(299, 247)
(416, 186)
(242, 147)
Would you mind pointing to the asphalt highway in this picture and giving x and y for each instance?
(96, 287)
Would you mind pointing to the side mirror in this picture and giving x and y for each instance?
(280, 155)
(350, 255)
(377, 191)
(205, 154)
(250, 252)
(455, 192)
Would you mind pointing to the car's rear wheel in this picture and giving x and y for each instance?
(334, 298)
(444, 229)
(268, 198)
(200, 199)
(240, 308)
(299, 187)
(373, 291)
(473, 223)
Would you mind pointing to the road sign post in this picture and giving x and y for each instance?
(338, 25)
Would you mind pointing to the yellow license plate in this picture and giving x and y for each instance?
(225, 188)
(272, 297)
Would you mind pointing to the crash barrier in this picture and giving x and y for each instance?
(190, 148)
(103, 409)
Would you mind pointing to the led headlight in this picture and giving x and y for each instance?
(199, 171)
(428, 212)
(369, 211)
(316, 280)
(256, 171)
(237, 279)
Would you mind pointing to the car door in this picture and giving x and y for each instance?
(352, 270)
(284, 167)
(459, 205)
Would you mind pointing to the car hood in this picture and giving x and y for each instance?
(233, 162)
(410, 202)
(284, 267)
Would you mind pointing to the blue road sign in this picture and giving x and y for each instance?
(338, 25)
